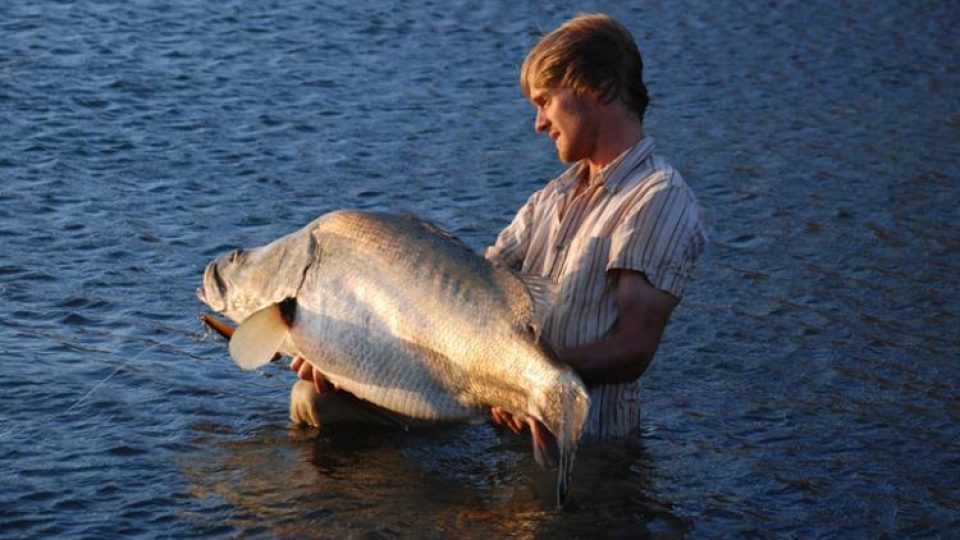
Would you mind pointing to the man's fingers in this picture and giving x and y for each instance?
(306, 372)
(503, 418)
(296, 363)
(321, 383)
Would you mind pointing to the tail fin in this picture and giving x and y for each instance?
(545, 449)
(574, 408)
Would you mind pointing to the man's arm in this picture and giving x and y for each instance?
(624, 354)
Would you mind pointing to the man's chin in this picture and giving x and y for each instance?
(568, 154)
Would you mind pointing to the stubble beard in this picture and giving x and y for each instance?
(582, 138)
(579, 147)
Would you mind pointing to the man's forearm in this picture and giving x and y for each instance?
(625, 353)
(613, 359)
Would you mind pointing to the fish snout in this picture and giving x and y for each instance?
(213, 290)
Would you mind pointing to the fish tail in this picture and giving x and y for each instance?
(545, 448)
(575, 405)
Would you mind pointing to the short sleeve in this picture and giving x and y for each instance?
(662, 238)
(512, 243)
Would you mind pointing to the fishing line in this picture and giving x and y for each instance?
(11, 430)
(175, 333)
(207, 332)
(118, 369)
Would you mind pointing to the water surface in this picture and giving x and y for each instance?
(807, 386)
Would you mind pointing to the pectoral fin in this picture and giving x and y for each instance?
(260, 335)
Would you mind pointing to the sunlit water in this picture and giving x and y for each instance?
(807, 387)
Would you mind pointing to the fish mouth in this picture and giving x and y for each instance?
(213, 290)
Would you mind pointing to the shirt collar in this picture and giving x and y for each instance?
(615, 172)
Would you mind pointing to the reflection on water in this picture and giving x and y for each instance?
(460, 481)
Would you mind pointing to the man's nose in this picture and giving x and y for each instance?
(541, 123)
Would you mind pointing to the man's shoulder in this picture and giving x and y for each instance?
(641, 167)
(654, 173)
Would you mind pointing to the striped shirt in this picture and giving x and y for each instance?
(636, 214)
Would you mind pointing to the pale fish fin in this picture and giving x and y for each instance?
(543, 293)
(545, 449)
(260, 335)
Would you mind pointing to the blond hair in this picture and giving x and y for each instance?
(591, 52)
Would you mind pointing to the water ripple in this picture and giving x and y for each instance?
(804, 388)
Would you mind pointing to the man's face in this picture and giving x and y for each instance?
(571, 121)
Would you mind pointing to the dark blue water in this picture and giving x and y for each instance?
(807, 387)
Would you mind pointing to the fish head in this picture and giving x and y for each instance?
(244, 281)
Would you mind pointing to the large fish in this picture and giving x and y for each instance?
(400, 314)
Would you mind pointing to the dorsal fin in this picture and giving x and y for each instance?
(433, 228)
(543, 293)
(260, 335)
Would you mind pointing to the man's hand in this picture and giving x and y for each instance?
(306, 372)
(503, 418)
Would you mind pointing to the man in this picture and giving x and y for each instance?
(619, 231)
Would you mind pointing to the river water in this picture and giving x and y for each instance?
(807, 386)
